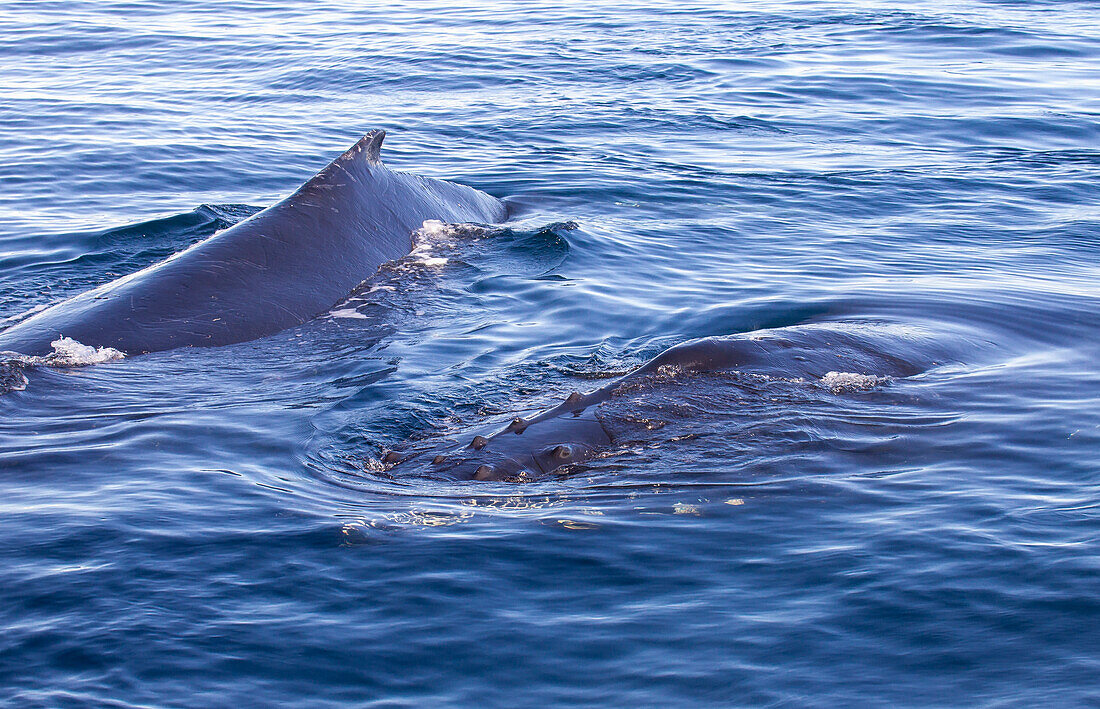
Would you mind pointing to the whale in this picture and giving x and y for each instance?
(537, 443)
(281, 267)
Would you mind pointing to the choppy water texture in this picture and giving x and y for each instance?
(213, 527)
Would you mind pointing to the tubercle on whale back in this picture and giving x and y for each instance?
(553, 455)
(557, 454)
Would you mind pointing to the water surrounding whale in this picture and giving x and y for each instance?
(214, 526)
(279, 268)
(837, 356)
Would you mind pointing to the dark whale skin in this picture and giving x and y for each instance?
(279, 268)
(541, 442)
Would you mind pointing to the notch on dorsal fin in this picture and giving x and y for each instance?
(371, 145)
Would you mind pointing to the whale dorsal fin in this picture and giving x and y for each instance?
(367, 149)
(371, 145)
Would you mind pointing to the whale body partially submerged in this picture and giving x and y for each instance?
(279, 268)
(835, 356)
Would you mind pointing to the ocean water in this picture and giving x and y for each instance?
(213, 527)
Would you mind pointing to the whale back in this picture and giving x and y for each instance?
(279, 268)
(573, 431)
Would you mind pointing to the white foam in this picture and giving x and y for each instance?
(435, 228)
(850, 381)
(434, 236)
(67, 352)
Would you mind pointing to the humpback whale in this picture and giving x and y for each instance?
(838, 355)
(279, 268)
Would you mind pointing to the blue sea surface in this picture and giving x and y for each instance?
(214, 527)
